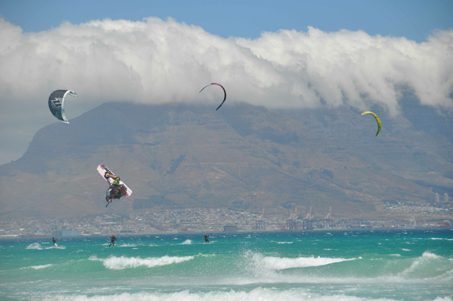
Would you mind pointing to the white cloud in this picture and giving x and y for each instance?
(157, 61)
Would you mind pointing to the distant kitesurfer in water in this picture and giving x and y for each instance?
(116, 190)
(206, 238)
(54, 242)
(112, 240)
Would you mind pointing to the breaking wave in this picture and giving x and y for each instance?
(119, 263)
(34, 246)
(38, 267)
(282, 263)
(263, 294)
(429, 265)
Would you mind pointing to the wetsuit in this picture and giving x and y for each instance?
(117, 190)
(54, 241)
(112, 240)
(206, 238)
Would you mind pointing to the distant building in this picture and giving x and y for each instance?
(445, 197)
(260, 225)
(230, 228)
(436, 197)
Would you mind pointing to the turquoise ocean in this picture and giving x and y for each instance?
(311, 265)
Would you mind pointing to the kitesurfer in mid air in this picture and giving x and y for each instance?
(206, 238)
(112, 240)
(54, 242)
(116, 190)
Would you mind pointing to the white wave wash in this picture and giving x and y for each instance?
(158, 61)
(263, 294)
(38, 267)
(54, 247)
(279, 263)
(34, 246)
(119, 263)
(187, 242)
(127, 245)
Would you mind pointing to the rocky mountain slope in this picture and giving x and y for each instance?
(241, 157)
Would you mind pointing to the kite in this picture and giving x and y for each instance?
(377, 120)
(224, 98)
(56, 101)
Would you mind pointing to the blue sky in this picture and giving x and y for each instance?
(413, 19)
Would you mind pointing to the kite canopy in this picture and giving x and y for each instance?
(377, 120)
(56, 101)
(224, 98)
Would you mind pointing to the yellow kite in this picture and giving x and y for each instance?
(377, 119)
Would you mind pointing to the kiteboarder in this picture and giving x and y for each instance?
(206, 238)
(116, 190)
(54, 242)
(112, 240)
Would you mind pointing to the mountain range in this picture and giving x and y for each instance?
(242, 157)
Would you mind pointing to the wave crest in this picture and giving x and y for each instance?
(38, 267)
(34, 246)
(428, 265)
(282, 263)
(120, 263)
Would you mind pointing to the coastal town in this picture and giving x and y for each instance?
(395, 215)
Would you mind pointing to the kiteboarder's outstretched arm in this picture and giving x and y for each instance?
(116, 179)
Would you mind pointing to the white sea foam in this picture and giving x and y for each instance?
(34, 246)
(443, 299)
(281, 263)
(53, 247)
(284, 242)
(127, 245)
(263, 294)
(406, 250)
(119, 263)
(187, 242)
(38, 267)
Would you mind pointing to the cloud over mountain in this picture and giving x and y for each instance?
(159, 61)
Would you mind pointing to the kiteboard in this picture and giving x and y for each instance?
(102, 169)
